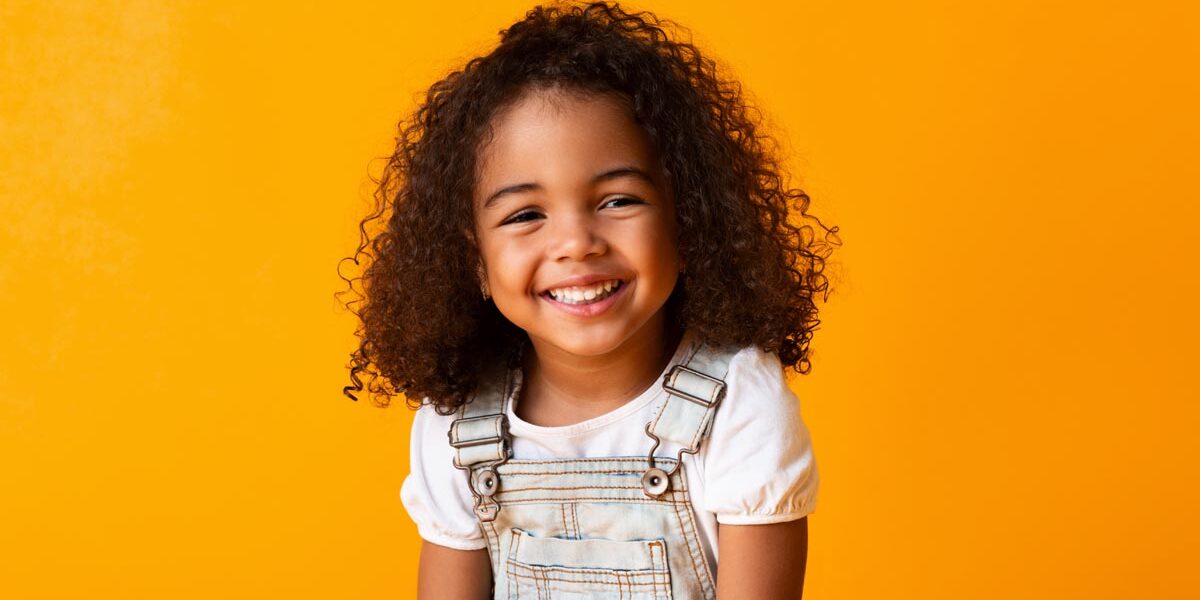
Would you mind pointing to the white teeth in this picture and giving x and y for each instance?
(577, 295)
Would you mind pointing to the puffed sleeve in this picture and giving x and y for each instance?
(758, 464)
(435, 493)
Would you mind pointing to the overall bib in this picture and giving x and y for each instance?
(619, 527)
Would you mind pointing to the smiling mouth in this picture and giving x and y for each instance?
(584, 295)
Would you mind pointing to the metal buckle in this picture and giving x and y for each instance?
(686, 396)
(483, 483)
(481, 441)
(655, 481)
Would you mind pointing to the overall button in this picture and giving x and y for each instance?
(655, 482)
(487, 481)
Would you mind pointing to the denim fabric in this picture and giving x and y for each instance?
(584, 528)
(589, 527)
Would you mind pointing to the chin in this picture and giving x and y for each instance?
(585, 343)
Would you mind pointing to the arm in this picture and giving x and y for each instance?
(446, 573)
(762, 561)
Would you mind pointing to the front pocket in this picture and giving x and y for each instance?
(547, 567)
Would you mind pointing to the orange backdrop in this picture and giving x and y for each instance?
(1003, 401)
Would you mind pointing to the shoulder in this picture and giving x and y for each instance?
(435, 493)
(758, 461)
(756, 382)
(759, 402)
(428, 422)
(431, 456)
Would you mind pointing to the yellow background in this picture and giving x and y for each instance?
(1003, 400)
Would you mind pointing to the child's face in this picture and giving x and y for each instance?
(587, 202)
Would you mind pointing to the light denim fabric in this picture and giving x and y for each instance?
(592, 527)
(584, 528)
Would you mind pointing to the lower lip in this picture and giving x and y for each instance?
(588, 310)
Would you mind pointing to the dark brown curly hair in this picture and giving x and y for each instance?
(752, 274)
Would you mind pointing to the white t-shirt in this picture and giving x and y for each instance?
(756, 466)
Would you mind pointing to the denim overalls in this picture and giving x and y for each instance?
(619, 527)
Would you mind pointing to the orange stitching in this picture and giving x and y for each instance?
(530, 578)
(671, 497)
(631, 472)
(569, 514)
(553, 500)
(687, 542)
(512, 577)
(632, 468)
(678, 483)
(494, 549)
(514, 543)
(666, 574)
(596, 459)
(541, 577)
(601, 578)
(631, 463)
(696, 436)
(654, 563)
(580, 487)
(696, 532)
(638, 574)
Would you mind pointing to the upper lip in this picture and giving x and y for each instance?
(582, 280)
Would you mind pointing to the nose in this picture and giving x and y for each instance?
(576, 237)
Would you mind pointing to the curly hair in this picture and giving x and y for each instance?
(752, 273)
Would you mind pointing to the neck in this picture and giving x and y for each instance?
(569, 382)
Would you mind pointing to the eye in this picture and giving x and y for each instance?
(521, 217)
(627, 200)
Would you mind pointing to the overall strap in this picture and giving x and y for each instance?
(694, 389)
(481, 441)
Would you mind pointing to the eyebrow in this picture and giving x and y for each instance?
(624, 171)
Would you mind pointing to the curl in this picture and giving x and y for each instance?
(755, 257)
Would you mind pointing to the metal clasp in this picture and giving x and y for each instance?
(483, 480)
(656, 481)
(705, 402)
(503, 435)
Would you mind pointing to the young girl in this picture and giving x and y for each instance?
(588, 278)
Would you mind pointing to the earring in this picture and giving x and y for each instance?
(483, 286)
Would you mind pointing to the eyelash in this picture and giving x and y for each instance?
(517, 217)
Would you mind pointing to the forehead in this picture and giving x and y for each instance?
(561, 136)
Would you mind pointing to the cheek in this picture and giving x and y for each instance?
(660, 246)
(510, 268)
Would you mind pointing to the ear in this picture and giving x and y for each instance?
(481, 273)
(473, 241)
